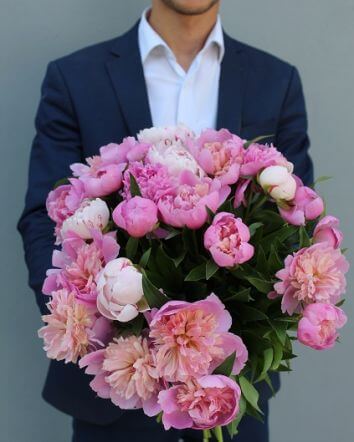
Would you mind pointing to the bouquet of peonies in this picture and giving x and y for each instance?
(188, 266)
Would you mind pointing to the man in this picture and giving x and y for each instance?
(175, 66)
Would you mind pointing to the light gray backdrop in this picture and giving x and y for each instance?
(316, 401)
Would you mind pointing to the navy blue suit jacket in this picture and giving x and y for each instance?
(98, 95)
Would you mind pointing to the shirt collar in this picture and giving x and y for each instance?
(149, 39)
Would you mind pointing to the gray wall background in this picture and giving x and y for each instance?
(316, 401)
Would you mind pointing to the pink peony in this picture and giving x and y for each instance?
(192, 339)
(125, 372)
(168, 147)
(120, 291)
(128, 151)
(258, 156)
(227, 240)
(138, 216)
(79, 263)
(240, 193)
(94, 366)
(153, 180)
(73, 329)
(327, 230)
(103, 174)
(186, 204)
(307, 205)
(62, 203)
(313, 274)
(219, 153)
(318, 327)
(203, 403)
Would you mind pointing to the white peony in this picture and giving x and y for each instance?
(120, 291)
(278, 182)
(92, 214)
(166, 136)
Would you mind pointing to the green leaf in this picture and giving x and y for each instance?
(61, 182)
(256, 140)
(267, 361)
(211, 269)
(226, 367)
(274, 262)
(145, 258)
(253, 227)
(210, 213)
(278, 355)
(173, 233)
(197, 273)
(152, 294)
(250, 314)
(261, 285)
(131, 247)
(304, 238)
(280, 330)
(226, 206)
(232, 427)
(250, 393)
(340, 303)
(262, 263)
(279, 235)
(322, 179)
(269, 383)
(271, 219)
(134, 186)
(178, 259)
(284, 368)
(241, 296)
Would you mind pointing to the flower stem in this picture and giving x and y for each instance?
(218, 434)
(206, 435)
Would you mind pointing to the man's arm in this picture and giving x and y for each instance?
(292, 139)
(55, 146)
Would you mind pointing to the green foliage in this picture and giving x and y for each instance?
(179, 267)
(250, 393)
(131, 248)
(152, 294)
(134, 186)
(226, 367)
(257, 140)
(61, 182)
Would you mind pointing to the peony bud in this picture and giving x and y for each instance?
(138, 216)
(278, 182)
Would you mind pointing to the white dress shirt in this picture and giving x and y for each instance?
(176, 96)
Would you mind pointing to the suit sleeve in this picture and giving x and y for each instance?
(56, 145)
(292, 139)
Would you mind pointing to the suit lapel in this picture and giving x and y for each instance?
(126, 72)
(231, 87)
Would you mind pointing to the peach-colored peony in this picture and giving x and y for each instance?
(313, 274)
(72, 328)
(125, 372)
(192, 339)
